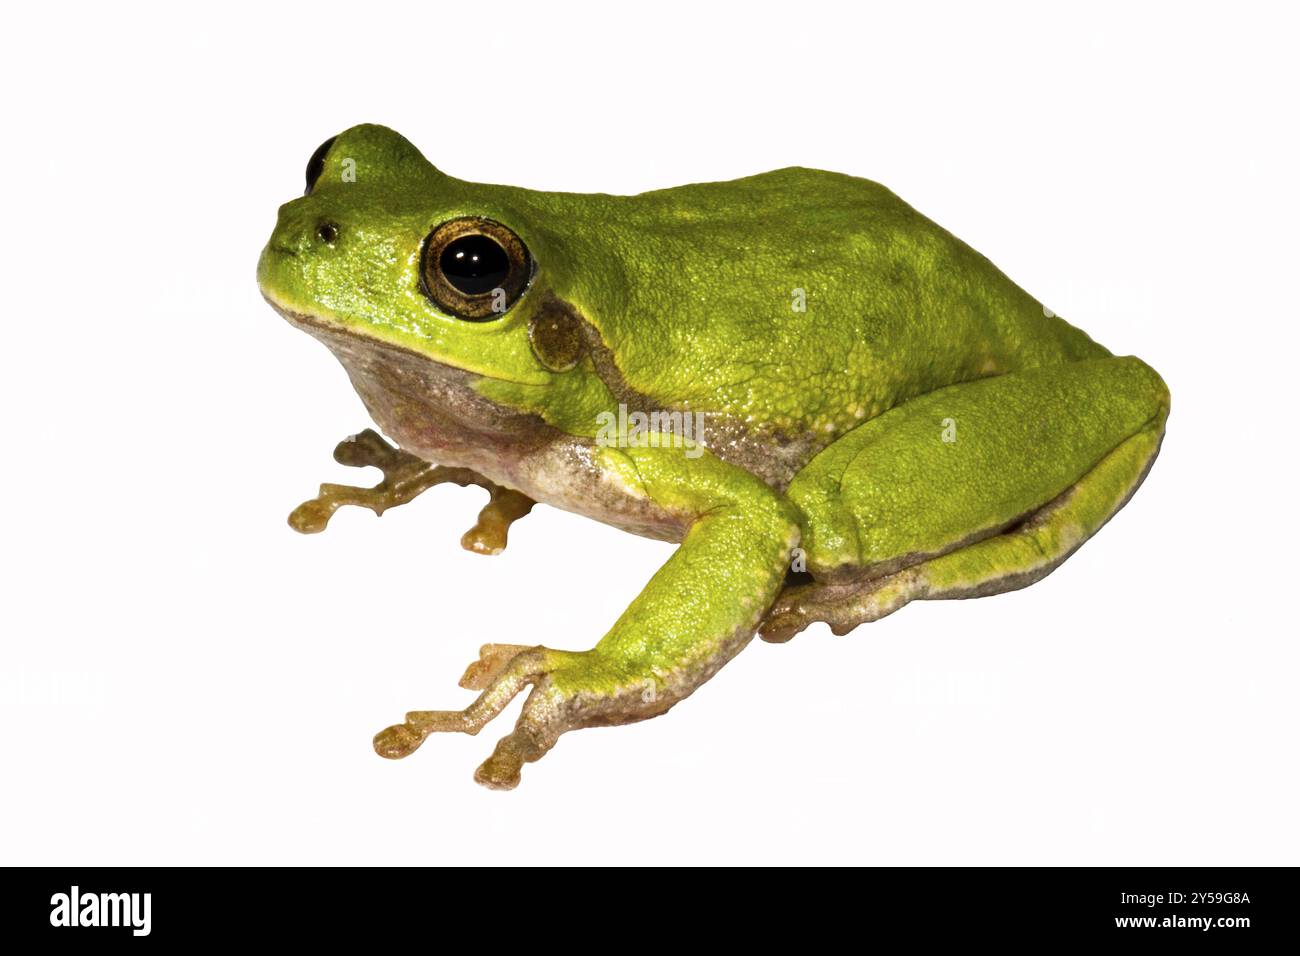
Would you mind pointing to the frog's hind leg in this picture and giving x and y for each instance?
(1014, 557)
(405, 478)
(1005, 562)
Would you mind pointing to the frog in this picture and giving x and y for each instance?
(829, 403)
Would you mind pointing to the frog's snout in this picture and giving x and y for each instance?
(300, 230)
(305, 235)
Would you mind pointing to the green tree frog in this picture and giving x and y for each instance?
(832, 404)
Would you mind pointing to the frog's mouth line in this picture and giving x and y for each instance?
(324, 330)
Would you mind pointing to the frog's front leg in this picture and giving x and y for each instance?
(697, 612)
(405, 478)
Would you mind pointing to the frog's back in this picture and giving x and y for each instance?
(803, 299)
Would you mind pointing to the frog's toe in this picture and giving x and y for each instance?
(785, 618)
(490, 532)
(501, 771)
(399, 740)
(492, 660)
(312, 516)
(368, 449)
(546, 715)
(529, 741)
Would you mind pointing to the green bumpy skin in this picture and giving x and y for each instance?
(880, 414)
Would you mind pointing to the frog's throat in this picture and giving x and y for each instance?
(431, 408)
(434, 411)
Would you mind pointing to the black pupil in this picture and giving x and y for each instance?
(316, 165)
(474, 264)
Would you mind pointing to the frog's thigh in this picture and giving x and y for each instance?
(970, 490)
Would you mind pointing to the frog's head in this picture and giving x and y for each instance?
(383, 245)
(419, 282)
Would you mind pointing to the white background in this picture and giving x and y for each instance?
(185, 680)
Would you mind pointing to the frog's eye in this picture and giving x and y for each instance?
(474, 268)
(316, 165)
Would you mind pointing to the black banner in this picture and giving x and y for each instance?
(134, 907)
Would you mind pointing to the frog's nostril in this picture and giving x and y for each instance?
(327, 232)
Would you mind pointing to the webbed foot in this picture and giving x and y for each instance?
(570, 690)
(405, 478)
